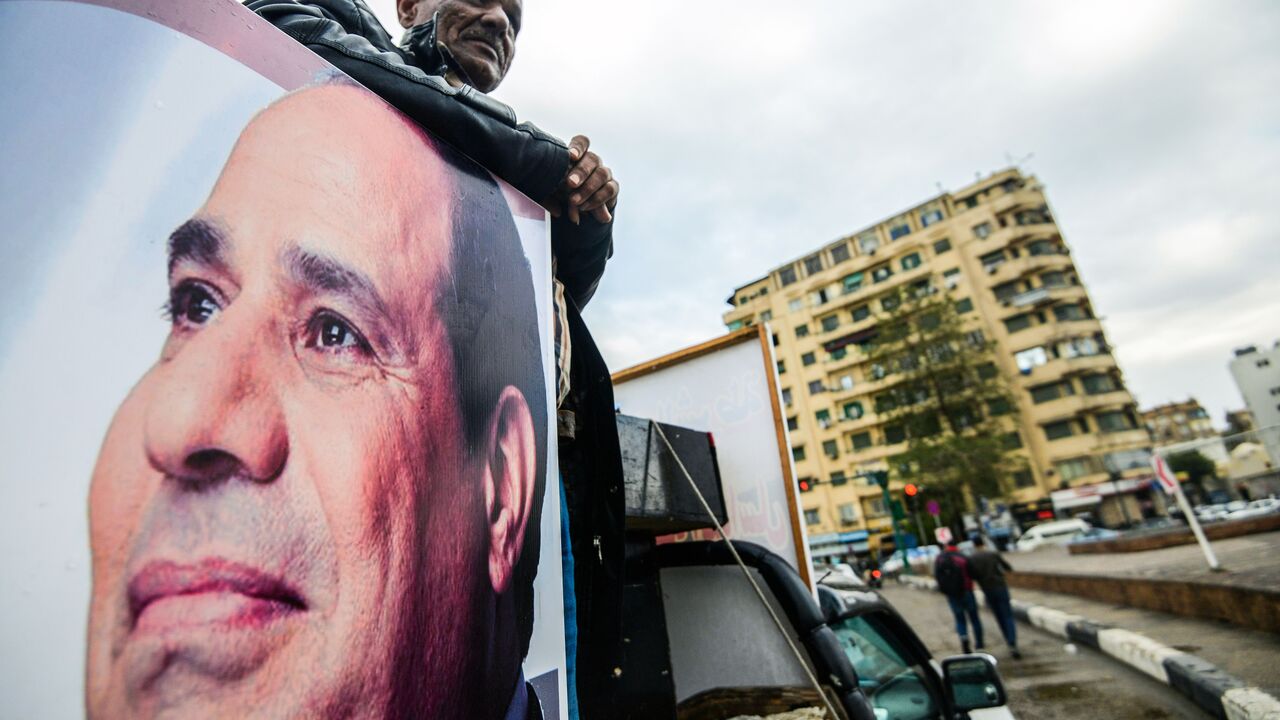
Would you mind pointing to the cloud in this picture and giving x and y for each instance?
(746, 134)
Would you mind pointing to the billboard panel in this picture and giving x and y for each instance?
(277, 393)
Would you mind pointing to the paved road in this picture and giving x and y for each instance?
(1251, 561)
(1049, 683)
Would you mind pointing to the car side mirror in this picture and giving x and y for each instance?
(973, 682)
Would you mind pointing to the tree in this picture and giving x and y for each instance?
(1196, 466)
(945, 398)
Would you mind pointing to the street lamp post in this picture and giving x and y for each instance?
(881, 478)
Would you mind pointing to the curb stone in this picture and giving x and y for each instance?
(1220, 694)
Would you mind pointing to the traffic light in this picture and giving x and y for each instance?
(910, 490)
(880, 477)
(804, 485)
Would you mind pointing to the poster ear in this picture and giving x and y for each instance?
(406, 10)
(509, 482)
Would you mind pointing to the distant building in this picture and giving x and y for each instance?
(1178, 422)
(1257, 375)
(1239, 421)
(995, 247)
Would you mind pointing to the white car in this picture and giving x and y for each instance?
(1257, 508)
(1058, 532)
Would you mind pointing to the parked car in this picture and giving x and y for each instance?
(1058, 532)
(1211, 513)
(895, 670)
(1092, 534)
(840, 575)
(1256, 508)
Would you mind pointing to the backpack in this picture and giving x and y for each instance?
(951, 574)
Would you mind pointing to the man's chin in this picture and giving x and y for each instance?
(217, 669)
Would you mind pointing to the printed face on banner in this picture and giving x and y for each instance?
(325, 497)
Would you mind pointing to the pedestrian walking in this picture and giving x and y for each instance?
(951, 570)
(988, 568)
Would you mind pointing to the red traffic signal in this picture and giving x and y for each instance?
(910, 490)
(804, 485)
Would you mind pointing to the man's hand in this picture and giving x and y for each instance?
(588, 187)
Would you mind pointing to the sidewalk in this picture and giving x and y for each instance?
(1251, 561)
(1230, 671)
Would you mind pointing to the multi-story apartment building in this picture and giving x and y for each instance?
(1178, 422)
(1257, 375)
(994, 246)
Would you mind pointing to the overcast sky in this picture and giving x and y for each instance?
(747, 133)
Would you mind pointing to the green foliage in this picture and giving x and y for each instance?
(1196, 466)
(953, 412)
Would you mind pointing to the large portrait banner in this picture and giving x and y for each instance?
(275, 388)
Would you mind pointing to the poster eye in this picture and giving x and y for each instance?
(192, 304)
(333, 333)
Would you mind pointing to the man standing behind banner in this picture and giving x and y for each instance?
(451, 55)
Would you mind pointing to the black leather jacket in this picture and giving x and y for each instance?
(348, 35)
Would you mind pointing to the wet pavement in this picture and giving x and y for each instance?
(1055, 680)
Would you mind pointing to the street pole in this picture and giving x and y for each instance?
(1169, 483)
(882, 479)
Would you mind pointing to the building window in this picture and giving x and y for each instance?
(1069, 312)
(875, 506)
(894, 434)
(860, 441)
(1054, 279)
(1075, 468)
(852, 410)
(797, 453)
(1030, 358)
(802, 331)
(793, 423)
(813, 264)
(1011, 441)
(782, 367)
(1264, 362)
(776, 342)
(1098, 384)
(823, 417)
(1115, 421)
(839, 254)
(943, 245)
(848, 515)
(795, 305)
(811, 517)
(766, 316)
(999, 406)
(786, 396)
(1122, 460)
(929, 217)
(910, 262)
(885, 402)
(846, 382)
(830, 449)
(838, 354)
(1052, 391)
(992, 260)
(830, 322)
(1023, 479)
(986, 371)
(862, 312)
(982, 230)
(1006, 291)
(852, 282)
(877, 371)
(899, 228)
(868, 243)
(1017, 322)
(819, 298)
(808, 359)
(882, 273)
(815, 387)
(1042, 247)
(735, 325)
(786, 276)
(951, 278)
(1060, 429)
(964, 305)
(890, 302)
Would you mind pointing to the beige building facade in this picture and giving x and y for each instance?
(994, 247)
(1178, 422)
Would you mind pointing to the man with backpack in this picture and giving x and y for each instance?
(951, 570)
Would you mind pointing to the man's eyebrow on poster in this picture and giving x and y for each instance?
(202, 244)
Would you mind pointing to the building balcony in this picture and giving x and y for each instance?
(1072, 405)
(1021, 267)
(1061, 367)
(1025, 198)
